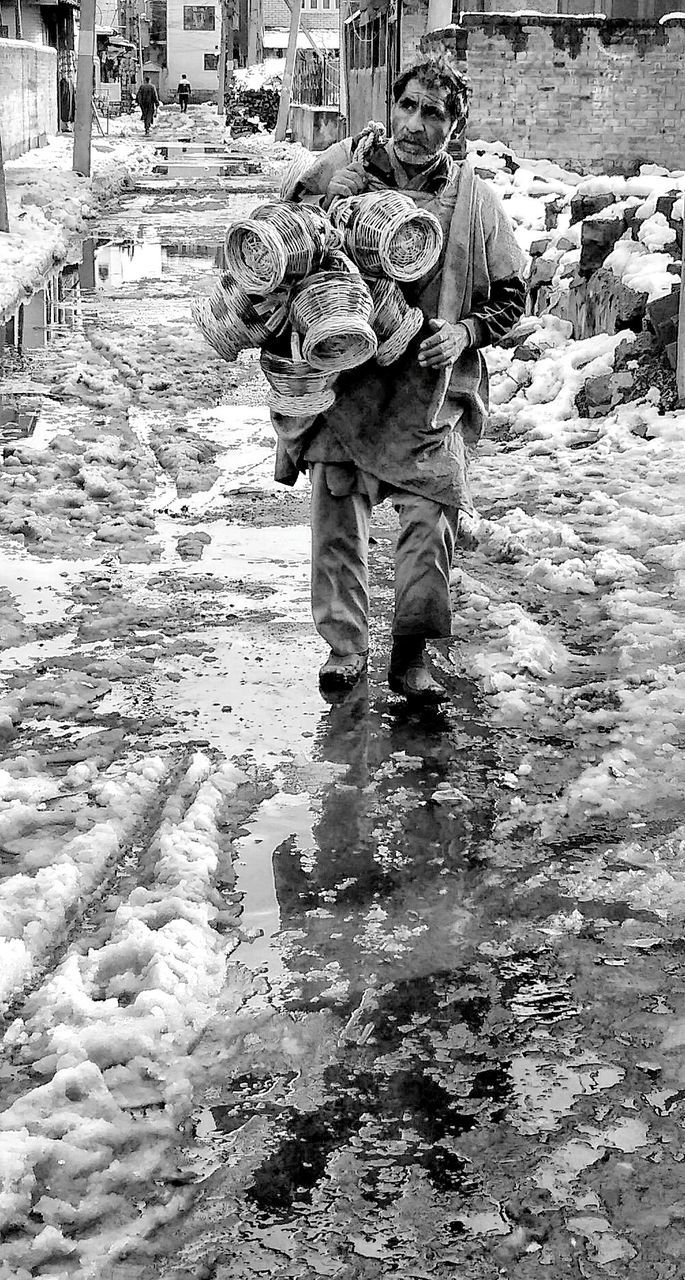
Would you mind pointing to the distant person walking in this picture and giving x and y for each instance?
(184, 91)
(148, 101)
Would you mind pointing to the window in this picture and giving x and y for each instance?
(211, 62)
(198, 17)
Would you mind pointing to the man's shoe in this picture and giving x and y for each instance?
(341, 671)
(416, 684)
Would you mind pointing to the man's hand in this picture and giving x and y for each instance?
(346, 182)
(445, 345)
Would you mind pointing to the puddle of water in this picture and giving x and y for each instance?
(282, 820)
(40, 600)
(171, 150)
(27, 655)
(213, 169)
(16, 424)
(55, 310)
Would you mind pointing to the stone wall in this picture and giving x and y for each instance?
(28, 100)
(593, 94)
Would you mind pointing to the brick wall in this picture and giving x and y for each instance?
(28, 99)
(598, 95)
(277, 14)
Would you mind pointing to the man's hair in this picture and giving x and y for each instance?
(437, 73)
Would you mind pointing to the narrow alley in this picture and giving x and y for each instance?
(301, 990)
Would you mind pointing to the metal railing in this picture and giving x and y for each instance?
(316, 80)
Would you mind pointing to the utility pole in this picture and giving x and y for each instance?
(287, 86)
(4, 217)
(225, 53)
(140, 49)
(83, 122)
(680, 348)
(255, 30)
(19, 26)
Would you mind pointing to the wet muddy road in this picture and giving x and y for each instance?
(446, 1035)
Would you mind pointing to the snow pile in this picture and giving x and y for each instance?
(263, 75)
(49, 205)
(80, 491)
(54, 874)
(592, 536)
(543, 199)
(111, 1036)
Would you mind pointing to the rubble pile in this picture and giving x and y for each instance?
(251, 110)
(605, 256)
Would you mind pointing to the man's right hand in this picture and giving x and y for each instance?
(346, 182)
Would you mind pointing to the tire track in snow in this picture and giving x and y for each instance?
(129, 863)
(35, 908)
(91, 1155)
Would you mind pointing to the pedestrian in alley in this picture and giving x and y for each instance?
(184, 91)
(405, 432)
(148, 101)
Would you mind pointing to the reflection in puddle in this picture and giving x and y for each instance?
(284, 820)
(52, 310)
(144, 256)
(201, 171)
(56, 309)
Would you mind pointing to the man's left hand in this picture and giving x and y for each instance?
(445, 345)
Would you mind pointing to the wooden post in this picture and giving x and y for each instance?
(680, 349)
(19, 26)
(255, 30)
(83, 122)
(4, 217)
(225, 53)
(287, 86)
(342, 30)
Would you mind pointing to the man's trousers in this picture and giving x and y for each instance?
(340, 523)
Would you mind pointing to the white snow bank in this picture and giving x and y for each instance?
(49, 205)
(112, 1034)
(55, 874)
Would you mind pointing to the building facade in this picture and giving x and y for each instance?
(382, 36)
(193, 35)
(321, 18)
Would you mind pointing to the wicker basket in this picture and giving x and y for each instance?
(280, 242)
(332, 311)
(394, 320)
(231, 321)
(386, 234)
(297, 390)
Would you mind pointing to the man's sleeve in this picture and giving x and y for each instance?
(492, 316)
(488, 321)
(314, 182)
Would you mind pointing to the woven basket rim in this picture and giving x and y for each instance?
(363, 344)
(395, 346)
(301, 406)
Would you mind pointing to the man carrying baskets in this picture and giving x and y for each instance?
(404, 431)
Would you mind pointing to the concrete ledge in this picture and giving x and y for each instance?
(28, 97)
(316, 127)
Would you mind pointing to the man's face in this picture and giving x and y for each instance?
(420, 123)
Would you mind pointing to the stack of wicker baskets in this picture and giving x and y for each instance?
(320, 293)
(387, 235)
